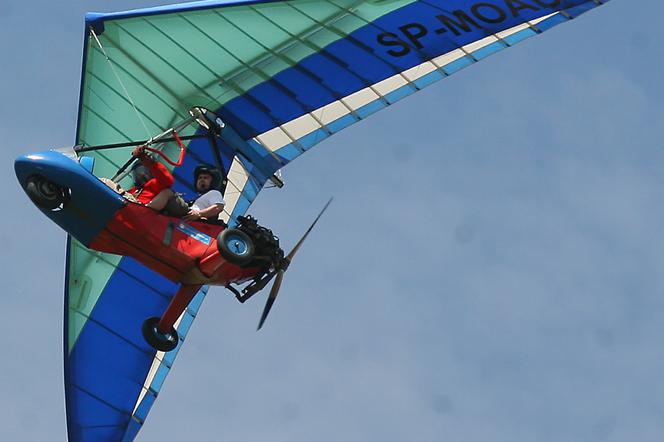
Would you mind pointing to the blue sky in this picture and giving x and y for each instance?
(490, 269)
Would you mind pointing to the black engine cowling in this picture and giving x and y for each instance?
(267, 252)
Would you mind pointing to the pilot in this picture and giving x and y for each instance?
(152, 181)
(209, 203)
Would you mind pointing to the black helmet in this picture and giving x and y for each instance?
(210, 170)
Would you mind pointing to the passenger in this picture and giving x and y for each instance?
(152, 181)
(209, 203)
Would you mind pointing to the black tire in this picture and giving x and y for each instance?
(161, 341)
(45, 194)
(240, 252)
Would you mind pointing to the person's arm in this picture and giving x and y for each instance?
(159, 172)
(215, 205)
(210, 212)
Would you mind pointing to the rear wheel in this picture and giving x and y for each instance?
(161, 341)
(46, 194)
(236, 246)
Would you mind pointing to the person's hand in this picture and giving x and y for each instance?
(193, 215)
(138, 152)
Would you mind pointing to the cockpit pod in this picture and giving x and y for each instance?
(60, 182)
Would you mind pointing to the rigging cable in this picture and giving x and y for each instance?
(117, 77)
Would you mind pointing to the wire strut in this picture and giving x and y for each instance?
(117, 77)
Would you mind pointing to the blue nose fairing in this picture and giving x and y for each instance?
(90, 205)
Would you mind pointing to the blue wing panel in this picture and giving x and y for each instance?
(411, 35)
(107, 368)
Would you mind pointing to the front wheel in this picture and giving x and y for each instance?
(161, 341)
(235, 246)
(45, 194)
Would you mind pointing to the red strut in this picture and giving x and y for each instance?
(178, 305)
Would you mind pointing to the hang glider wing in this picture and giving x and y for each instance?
(284, 75)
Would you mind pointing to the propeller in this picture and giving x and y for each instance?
(280, 274)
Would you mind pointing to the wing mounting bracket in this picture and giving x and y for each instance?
(266, 166)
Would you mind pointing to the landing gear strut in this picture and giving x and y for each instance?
(160, 333)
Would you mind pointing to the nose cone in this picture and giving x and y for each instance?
(51, 164)
(28, 165)
(67, 193)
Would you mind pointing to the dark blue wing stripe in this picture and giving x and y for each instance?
(108, 366)
(249, 122)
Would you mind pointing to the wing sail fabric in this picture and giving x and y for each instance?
(284, 75)
(299, 134)
(381, 62)
(112, 376)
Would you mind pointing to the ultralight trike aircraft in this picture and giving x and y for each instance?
(192, 254)
(244, 86)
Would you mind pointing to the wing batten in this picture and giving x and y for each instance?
(279, 55)
(149, 89)
(186, 78)
(165, 89)
(340, 35)
(340, 47)
(229, 79)
(250, 74)
(403, 84)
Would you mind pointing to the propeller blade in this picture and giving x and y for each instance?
(270, 299)
(299, 243)
(280, 275)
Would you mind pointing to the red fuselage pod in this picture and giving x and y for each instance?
(98, 217)
(184, 252)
